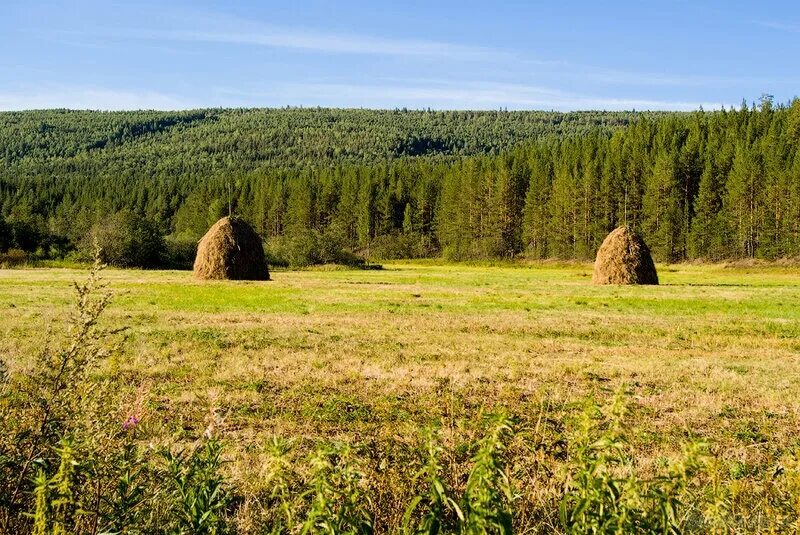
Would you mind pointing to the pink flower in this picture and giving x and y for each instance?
(130, 422)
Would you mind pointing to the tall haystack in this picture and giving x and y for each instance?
(624, 259)
(231, 249)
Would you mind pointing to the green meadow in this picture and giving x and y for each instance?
(375, 359)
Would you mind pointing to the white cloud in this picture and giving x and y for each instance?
(318, 41)
(89, 99)
(618, 77)
(469, 95)
(782, 26)
(416, 94)
(190, 23)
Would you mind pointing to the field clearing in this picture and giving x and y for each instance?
(373, 357)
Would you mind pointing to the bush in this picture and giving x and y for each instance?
(26, 229)
(198, 491)
(398, 246)
(484, 507)
(309, 247)
(43, 412)
(13, 258)
(127, 239)
(180, 252)
(70, 462)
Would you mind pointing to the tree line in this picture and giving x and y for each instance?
(384, 184)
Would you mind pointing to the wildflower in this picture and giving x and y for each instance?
(130, 422)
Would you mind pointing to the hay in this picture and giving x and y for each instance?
(231, 249)
(624, 259)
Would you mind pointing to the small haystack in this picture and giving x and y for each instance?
(624, 259)
(231, 249)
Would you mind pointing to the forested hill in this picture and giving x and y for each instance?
(281, 137)
(62, 171)
(322, 184)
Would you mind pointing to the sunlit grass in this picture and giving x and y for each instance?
(373, 356)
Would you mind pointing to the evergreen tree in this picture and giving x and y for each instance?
(743, 201)
(563, 214)
(408, 224)
(663, 216)
(535, 216)
(707, 239)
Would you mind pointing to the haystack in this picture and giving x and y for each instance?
(231, 249)
(624, 259)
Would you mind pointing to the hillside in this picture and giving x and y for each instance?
(281, 137)
(322, 184)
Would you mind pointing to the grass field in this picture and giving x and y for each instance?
(373, 358)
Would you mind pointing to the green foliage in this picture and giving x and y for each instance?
(198, 489)
(282, 501)
(42, 407)
(441, 512)
(309, 247)
(124, 504)
(127, 239)
(56, 504)
(484, 507)
(13, 258)
(41, 519)
(393, 183)
(488, 496)
(338, 503)
(5, 234)
(605, 495)
(179, 252)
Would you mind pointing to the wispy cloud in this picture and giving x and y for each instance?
(655, 79)
(465, 95)
(776, 25)
(171, 26)
(89, 99)
(438, 94)
(333, 43)
(330, 43)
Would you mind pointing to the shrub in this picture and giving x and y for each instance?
(338, 502)
(45, 410)
(69, 464)
(26, 229)
(398, 246)
(297, 250)
(484, 507)
(127, 239)
(13, 258)
(179, 252)
(308, 247)
(440, 511)
(488, 496)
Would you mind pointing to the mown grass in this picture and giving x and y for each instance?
(372, 358)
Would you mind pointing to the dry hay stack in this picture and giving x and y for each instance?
(231, 249)
(624, 259)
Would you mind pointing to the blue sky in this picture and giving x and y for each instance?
(563, 55)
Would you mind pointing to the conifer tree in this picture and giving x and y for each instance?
(743, 201)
